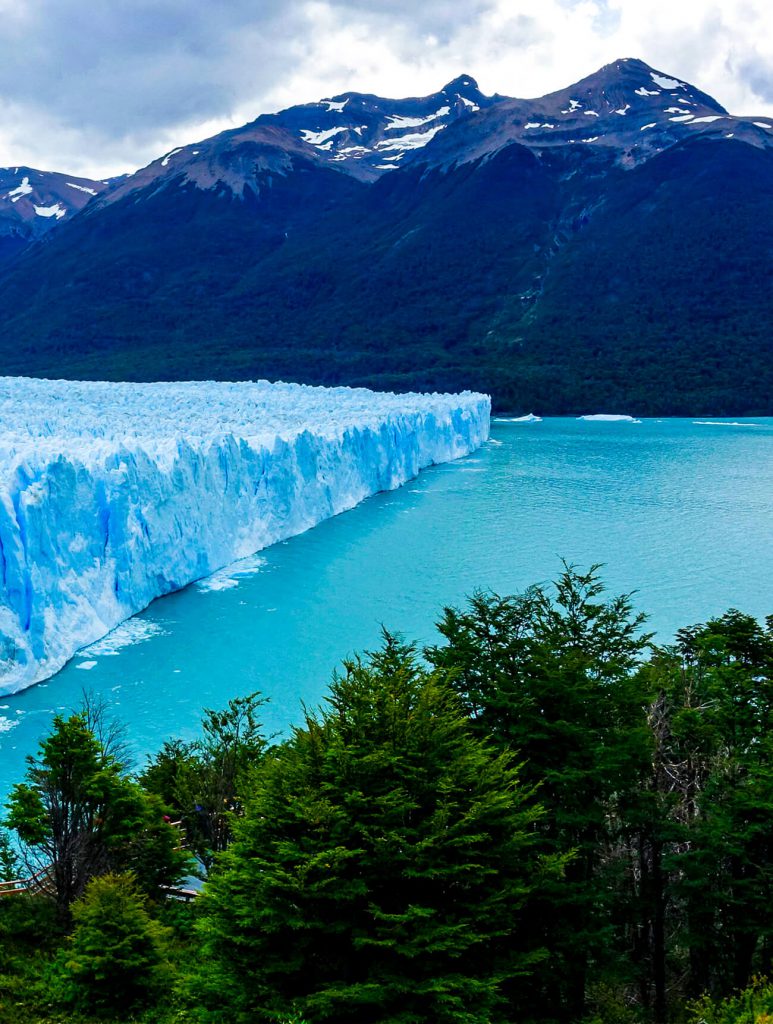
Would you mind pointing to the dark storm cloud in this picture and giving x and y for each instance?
(129, 67)
(133, 67)
(121, 80)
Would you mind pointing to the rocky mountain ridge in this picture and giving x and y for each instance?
(607, 245)
(32, 202)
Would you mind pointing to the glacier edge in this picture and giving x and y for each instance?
(114, 494)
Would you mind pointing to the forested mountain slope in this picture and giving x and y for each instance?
(607, 246)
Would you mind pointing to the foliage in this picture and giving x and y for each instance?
(29, 935)
(715, 749)
(752, 1006)
(9, 859)
(558, 294)
(78, 814)
(554, 679)
(546, 820)
(382, 868)
(609, 1005)
(115, 958)
(204, 780)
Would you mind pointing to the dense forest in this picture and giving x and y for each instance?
(543, 818)
(556, 283)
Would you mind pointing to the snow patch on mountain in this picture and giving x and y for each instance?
(397, 121)
(666, 83)
(414, 140)
(114, 494)
(335, 105)
(57, 210)
(23, 189)
(320, 138)
(169, 156)
(82, 188)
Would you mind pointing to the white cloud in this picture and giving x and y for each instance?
(103, 88)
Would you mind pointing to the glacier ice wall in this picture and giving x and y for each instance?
(114, 494)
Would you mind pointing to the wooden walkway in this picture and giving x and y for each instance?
(41, 883)
(10, 888)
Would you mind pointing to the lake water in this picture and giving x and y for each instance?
(677, 510)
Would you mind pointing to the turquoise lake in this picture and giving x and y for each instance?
(677, 510)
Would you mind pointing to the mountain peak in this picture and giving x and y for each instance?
(32, 202)
(631, 73)
(461, 84)
(626, 108)
(365, 135)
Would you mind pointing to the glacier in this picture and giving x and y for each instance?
(112, 495)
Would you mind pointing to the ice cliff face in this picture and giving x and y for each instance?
(113, 494)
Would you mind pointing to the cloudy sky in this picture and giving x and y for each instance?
(103, 87)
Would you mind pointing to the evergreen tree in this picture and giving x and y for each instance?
(29, 933)
(115, 958)
(381, 871)
(78, 814)
(9, 860)
(554, 678)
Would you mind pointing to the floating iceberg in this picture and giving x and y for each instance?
(603, 417)
(723, 423)
(528, 418)
(114, 494)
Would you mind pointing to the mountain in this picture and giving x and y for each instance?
(32, 202)
(625, 108)
(366, 135)
(357, 134)
(603, 247)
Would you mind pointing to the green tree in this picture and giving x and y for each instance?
(9, 859)
(553, 676)
(381, 870)
(116, 958)
(754, 1005)
(203, 780)
(78, 814)
(716, 744)
(29, 933)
